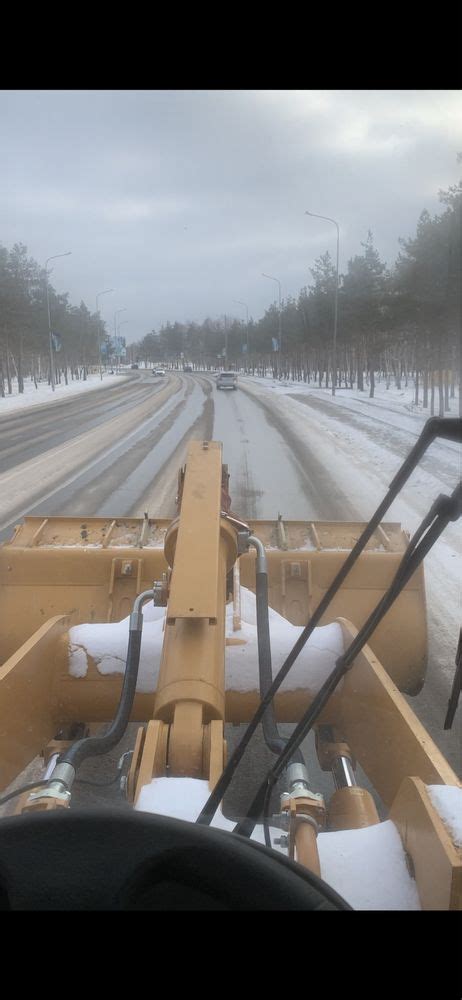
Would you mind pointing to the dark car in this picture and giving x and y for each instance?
(188, 368)
(133, 366)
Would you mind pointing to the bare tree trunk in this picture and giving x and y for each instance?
(432, 394)
(20, 365)
(446, 390)
(372, 380)
(8, 373)
(416, 396)
(14, 364)
(360, 372)
(440, 392)
(425, 388)
(460, 378)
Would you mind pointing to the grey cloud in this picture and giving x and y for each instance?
(180, 199)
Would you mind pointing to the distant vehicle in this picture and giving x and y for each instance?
(158, 371)
(133, 366)
(227, 380)
(188, 368)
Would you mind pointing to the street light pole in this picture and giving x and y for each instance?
(334, 345)
(123, 309)
(106, 290)
(50, 339)
(246, 325)
(280, 321)
(121, 324)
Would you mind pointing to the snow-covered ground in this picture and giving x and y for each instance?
(395, 406)
(44, 393)
(365, 442)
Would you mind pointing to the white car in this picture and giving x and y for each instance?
(227, 380)
(158, 371)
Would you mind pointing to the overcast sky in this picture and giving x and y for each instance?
(179, 200)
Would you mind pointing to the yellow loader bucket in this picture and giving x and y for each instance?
(91, 570)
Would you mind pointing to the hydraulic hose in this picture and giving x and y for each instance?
(273, 740)
(93, 746)
(275, 743)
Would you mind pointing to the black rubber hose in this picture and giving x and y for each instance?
(273, 740)
(24, 788)
(93, 746)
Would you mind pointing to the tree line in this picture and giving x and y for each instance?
(399, 323)
(77, 333)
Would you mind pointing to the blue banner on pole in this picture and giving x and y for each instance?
(275, 344)
(56, 341)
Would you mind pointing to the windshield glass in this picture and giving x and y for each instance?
(340, 351)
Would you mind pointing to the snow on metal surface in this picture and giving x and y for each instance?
(367, 867)
(447, 800)
(106, 644)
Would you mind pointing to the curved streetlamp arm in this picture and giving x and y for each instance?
(327, 217)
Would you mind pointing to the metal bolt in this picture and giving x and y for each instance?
(160, 592)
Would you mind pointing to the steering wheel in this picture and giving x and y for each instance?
(96, 859)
